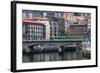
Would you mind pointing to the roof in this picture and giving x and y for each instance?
(38, 20)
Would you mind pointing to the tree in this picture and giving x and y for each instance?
(63, 32)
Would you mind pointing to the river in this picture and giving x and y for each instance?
(55, 56)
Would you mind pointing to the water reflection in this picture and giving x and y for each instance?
(55, 56)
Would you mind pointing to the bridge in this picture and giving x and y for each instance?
(60, 46)
(56, 39)
(71, 42)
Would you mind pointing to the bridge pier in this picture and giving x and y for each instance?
(31, 49)
(60, 49)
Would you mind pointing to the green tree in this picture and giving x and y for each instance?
(63, 32)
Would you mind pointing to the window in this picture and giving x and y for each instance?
(77, 14)
(30, 15)
(24, 15)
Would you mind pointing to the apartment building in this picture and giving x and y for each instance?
(35, 26)
(33, 31)
(77, 23)
(57, 22)
(41, 25)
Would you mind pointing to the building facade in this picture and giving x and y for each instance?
(57, 22)
(77, 30)
(41, 25)
(33, 31)
(35, 26)
(77, 23)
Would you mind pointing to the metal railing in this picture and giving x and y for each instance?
(76, 38)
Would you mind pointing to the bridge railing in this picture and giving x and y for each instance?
(80, 38)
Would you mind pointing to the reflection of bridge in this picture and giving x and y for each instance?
(29, 45)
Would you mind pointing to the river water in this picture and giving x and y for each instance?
(55, 56)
